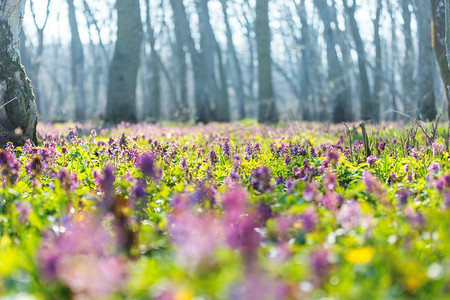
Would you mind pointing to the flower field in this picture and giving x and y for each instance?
(231, 211)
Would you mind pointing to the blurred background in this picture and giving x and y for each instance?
(227, 60)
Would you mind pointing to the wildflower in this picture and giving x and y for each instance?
(310, 193)
(213, 157)
(434, 167)
(146, 163)
(10, 148)
(330, 182)
(333, 156)
(350, 215)
(261, 180)
(403, 196)
(371, 160)
(320, 262)
(290, 185)
(240, 223)
(381, 146)
(309, 219)
(287, 160)
(88, 266)
(331, 200)
(24, 210)
(360, 256)
(226, 148)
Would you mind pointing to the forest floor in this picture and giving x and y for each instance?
(227, 211)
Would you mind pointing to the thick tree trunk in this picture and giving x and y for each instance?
(438, 9)
(121, 103)
(77, 65)
(18, 119)
(267, 109)
(212, 60)
(426, 64)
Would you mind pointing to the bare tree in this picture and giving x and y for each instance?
(426, 63)
(438, 9)
(18, 113)
(267, 107)
(121, 98)
(77, 65)
(40, 51)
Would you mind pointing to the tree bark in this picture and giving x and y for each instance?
(439, 23)
(181, 22)
(409, 58)
(121, 98)
(77, 66)
(267, 108)
(18, 119)
(369, 110)
(338, 85)
(235, 65)
(426, 64)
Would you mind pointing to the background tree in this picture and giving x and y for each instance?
(426, 63)
(77, 65)
(438, 9)
(18, 118)
(267, 107)
(121, 98)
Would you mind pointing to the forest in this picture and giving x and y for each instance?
(225, 149)
(204, 61)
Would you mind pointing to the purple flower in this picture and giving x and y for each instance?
(371, 160)
(226, 148)
(372, 183)
(310, 193)
(333, 156)
(320, 263)
(287, 160)
(403, 196)
(240, 223)
(331, 200)
(213, 157)
(146, 163)
(434, 167)
(290, 185)
(309, 219)
(24, 210)
(350, 215)
(381, 146)
(443, 183)
(260, 179)
(88, 266)
(329, 182)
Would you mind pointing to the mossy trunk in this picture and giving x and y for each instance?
(18, 118)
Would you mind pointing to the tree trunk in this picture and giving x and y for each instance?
(77, 65)
(235, 65)
(267, 109)
(426, 64)
(211, 58)
(121, 98)
(409, 59)
(377, 87)
(338, 85)
(18, 119)
(181, 22)
(438, 9)
(369, 110)
(153, 78)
